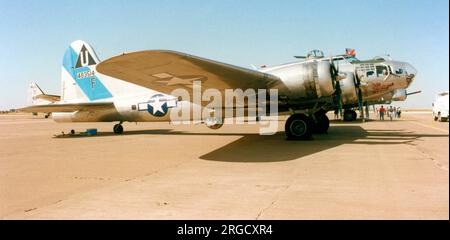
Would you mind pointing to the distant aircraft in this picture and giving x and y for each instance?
(37, 97)
(137, 86)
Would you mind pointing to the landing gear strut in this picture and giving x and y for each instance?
(298, 127)
(118, 129)
(349, 115)
(322, 122)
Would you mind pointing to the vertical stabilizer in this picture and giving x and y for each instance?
(34, 91)
(79, 81)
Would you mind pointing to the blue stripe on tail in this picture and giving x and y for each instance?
(85, 77)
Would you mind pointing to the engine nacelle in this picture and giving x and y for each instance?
(348, 91)
(63, 116)
(310, 79)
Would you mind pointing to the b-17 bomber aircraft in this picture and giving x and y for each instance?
(140, 87)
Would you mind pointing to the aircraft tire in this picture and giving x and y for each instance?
(322, 123)
(298, 127)
(214, 123)
(349, 115)
(215, 126)
(354, 115)
(118, 129)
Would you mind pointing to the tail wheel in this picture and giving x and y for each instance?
(118, 129)
(214, 123)
(298, 127)
(322, 123)
(215, 126)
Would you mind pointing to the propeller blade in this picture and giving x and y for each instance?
(337, 86)
(359, 95)
(339, 97)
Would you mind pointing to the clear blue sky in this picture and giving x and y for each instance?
(35, 34)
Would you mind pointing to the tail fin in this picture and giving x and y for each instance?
(33, 92)
(78, 77)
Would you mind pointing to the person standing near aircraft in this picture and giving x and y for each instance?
(382, 111)
(391, 113)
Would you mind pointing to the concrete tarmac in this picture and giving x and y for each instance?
(374, 170)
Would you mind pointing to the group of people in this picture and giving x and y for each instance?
(392, 112)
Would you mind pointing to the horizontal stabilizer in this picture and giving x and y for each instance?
(68, 107)
(50, 98)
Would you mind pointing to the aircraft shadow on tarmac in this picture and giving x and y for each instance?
(256, 148)
(252, 147)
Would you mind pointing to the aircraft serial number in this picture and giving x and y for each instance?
(85, 74)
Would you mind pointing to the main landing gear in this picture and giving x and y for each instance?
(301, 127)
(298, 127)
(321, 123)
(118, 129)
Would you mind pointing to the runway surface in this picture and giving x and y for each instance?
(372, 170)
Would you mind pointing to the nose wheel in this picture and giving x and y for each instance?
(349, 115)
(298, 127)
(118, 129)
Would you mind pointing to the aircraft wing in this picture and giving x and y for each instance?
(165, 71)
(68, 107)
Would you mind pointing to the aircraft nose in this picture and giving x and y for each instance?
(411, 72)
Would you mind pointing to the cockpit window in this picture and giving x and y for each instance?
(382, 71)
(390, 69)
(315, 54)
(370, 73)
(401, 68)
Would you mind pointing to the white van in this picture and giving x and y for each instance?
(440, 107)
